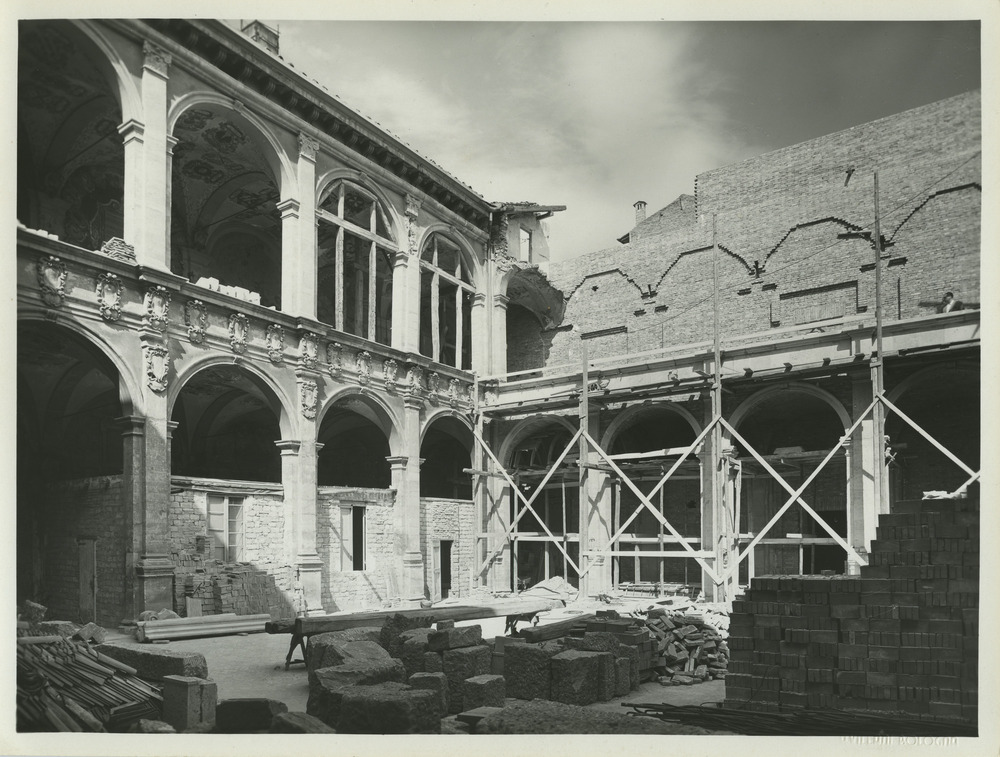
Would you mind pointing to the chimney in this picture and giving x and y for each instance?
(640, 212)
(262, 34)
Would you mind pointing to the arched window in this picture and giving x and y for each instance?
(446, 293)
(356, 251)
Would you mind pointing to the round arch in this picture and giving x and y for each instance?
(129, 387)
(286, 418)
(115, 69)
(454, 236)
(278, 160)
(924, 374)
(526, 428)
(364, 181)
(634, 413)
(751, 403)
(379, 412)
(442, 413)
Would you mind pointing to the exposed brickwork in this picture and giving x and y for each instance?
(87, 508)
(783, 212)
(344, 588)
(453, 520)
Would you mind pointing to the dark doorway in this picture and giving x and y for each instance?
(445, 569)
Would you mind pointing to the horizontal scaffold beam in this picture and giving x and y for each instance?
(342, 621)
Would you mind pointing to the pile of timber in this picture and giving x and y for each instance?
(206, 625)
(64, 685)
(690, 649)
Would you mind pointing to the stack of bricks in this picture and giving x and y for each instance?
(901, 638)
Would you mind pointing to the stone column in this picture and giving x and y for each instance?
(405, 323)
(298, 235)
(407, 485)
(498, 347)
(596, 498)
(147, 210)
(298, 481)
(482, 345)
(133, 486)
(864, 483)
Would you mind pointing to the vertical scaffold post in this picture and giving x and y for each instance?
(720, 521)
(583, 499)
(878, 367)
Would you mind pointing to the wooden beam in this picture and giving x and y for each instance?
(554, 630)
(343, 621)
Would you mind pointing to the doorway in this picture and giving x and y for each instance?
(445, 568)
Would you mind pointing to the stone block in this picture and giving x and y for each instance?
(246, 715)
(623, 677)
(454, 638)
(433, 662)
(459, 664)
(441, 625)
(632, 653)
(435, 682)
(189, 702)
(298, 722)
(326, 650)
(92, 632)
(594, 641)
(327, 685)
(155, 662)
(414, 647)
(64, 628)
(526, 669)
(33, 612)
(483, 691)
(394, 626)
(575, 676)
(389, 708)
(607, 675)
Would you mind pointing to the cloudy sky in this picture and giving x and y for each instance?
(597, 115)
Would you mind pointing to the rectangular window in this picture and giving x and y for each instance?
(353, 541)
(525, 244)
(226, 527)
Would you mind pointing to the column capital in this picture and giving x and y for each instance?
(400, 258)
(288, 446)
(501, 301)
(131, 131)
(413, 204)
(412, 402)
(397, 462)
(308, 147)
(131, 425)
(156, 59)
(288, 208)
(479, 299)
(171, 427)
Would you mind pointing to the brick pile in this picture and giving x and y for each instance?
(901, 638)
(687, 649)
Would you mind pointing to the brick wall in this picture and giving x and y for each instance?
(455, 521)
(342, 587)
(263, 582)
(85, 508)
(779, 217)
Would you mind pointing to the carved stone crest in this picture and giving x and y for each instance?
(52, 280)
(157, 305)
(308, 349)
(275, 340)
(491, 392)
(109, 296)
(157, 366)
(433, 382)
(196, 320)
(335, 356)
(119, 249)
(414, 378)
(309, 396)
(238, 329)
(390, 369)
(364, 367)
(454, 387)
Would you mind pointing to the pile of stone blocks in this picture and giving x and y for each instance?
(582, 670)
(903, 637)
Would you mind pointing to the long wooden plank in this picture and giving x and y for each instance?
(326, 623)
(224, 625)
(553, 630)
